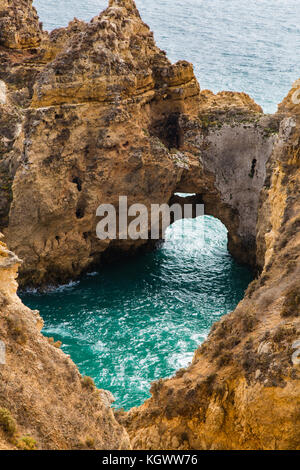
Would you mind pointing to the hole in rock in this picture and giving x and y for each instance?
(184, 194)
(76, 180)
(141, 319)
(253, 166)
(168, 131)
(80, 210)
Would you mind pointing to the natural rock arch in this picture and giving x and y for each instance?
(129, 124)
(65, 144)
(228, 170)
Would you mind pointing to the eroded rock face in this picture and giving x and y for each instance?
(99, 112)
(233, 141)
(110, 59)
(86, 138)
(242, 388)
(96, 112)
(19, 25)
(41, 390)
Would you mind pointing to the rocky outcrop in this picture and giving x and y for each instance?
(19, 25)
(233, 141)
(44, 402)
(101, 95)
(95, 111)
(242, 388)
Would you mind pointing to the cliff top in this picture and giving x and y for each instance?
(225, 101)
(19, 24)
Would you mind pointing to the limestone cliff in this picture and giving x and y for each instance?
(44, 402)
(94, 111)
(98, 111)
(242, 388)
(19, 25)
(87, 133)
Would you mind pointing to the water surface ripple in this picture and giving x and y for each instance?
(140, 321)
(240, 45)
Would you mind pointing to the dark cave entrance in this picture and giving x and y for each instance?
(168, 131)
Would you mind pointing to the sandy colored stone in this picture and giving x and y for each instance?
(242, 390)
(95, 111)
(19, 24)
(105, 114)
(41, 387)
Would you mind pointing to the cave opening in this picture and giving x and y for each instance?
(76, 180)
(168, 131)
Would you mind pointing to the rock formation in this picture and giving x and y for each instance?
(44, 402)
(98, 111)
(95, 111)
(242, 388)
(19, 25)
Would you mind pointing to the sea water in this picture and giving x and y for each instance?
(240, 45)
(135, 322)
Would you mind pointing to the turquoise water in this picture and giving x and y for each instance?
(240, 45)
(139, 321)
